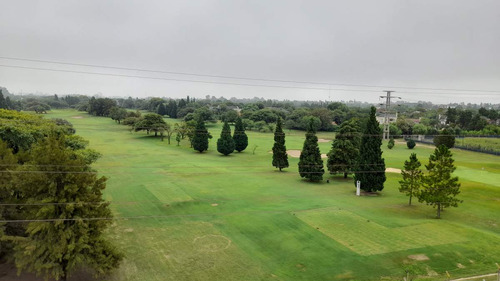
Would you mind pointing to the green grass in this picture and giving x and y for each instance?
(237, 218)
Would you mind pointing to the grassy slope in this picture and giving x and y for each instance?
(236, 218)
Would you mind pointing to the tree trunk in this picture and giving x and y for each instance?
(409, 203)
(345, 175)
(439, 211)
(280, 169)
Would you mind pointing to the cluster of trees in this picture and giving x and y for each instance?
(51, 197)
(437, 187)
(351, 152)
(226, 144)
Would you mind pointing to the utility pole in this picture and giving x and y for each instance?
(387, 105)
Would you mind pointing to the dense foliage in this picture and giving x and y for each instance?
(280, 156)
(439, 186)
(345, 149)
(412, 177)
(370, 169)
(47, 170)
(310, 163)
(240, 137)
(225, 144)
(200, 136)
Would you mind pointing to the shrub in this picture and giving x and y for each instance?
(410, 143)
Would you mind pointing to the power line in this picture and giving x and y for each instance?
(179, 80)
(246, 78)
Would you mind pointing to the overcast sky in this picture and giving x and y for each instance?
(430, 44)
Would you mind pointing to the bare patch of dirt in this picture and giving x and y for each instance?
(431, 272)
(296, 153)
(128, 230)
(323, 140)
(77, 117)
(214, 205)
(300, 267)
(419, 257)
(393, 170)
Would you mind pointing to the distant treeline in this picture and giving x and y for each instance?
(422, 118)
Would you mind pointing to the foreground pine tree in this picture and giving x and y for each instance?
(439, 187)
(370, 169)
(240, 137)
(280, 157)
(310, 163)
(345, 149)
(200, 136)
(63, 234)
(225, 144)
(412, 177)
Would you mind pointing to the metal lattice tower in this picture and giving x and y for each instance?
(386, 111)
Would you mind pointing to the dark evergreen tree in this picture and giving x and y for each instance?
(200, 136)
(370, 169)
(412, 177)
(182, 104)
(345, 149)
(172, 109)
(280, 157)
(310, 163)
(390, 144)
(225, 144)
(410, 143)
(446, 137)
(240, 137)
(9, 103)
(439, 187)
(161, 110)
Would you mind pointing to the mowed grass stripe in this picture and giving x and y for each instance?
(367, 237)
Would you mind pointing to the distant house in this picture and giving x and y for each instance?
(442, 119)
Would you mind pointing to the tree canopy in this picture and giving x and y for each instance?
(310, 163)
(239, 136)
(345, 149)
(439, 186)
(280, 156)
(200, 136)
(370, 168)
(225, 144)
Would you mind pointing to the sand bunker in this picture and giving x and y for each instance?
(420, 257)
(323, 140)
(296, 153)
(77, 117)
(393, 170)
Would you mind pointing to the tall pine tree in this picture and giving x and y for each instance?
(225, 144)
(280, 157)
(60, 238)
(240, 137)
(161, 110)
(200, 136)
(370, 169)
(439, 187)
(345, 149)
(412, 177)
(310, 163)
